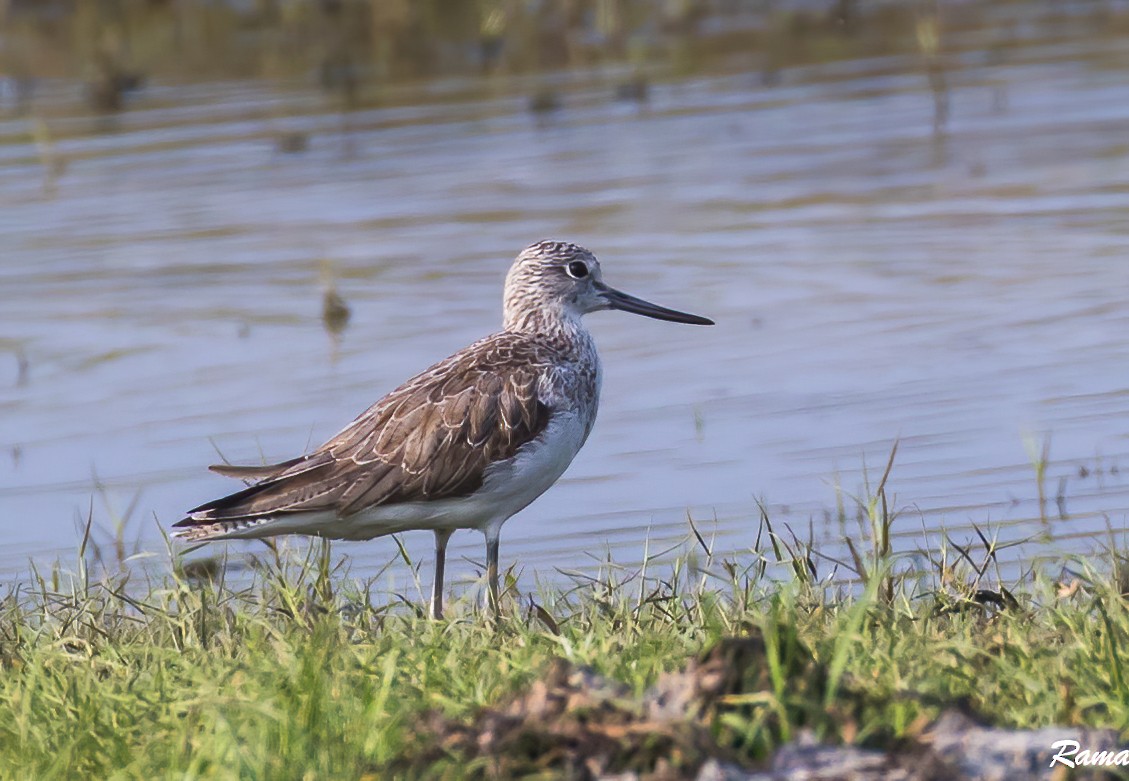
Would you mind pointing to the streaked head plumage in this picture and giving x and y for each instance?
(555, 282)
(555, 277)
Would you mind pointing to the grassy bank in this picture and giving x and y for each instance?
(306, 673)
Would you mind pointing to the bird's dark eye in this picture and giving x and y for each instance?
(577, 269)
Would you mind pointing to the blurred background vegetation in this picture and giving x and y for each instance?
(354, 47)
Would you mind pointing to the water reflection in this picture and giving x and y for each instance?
(877, 275)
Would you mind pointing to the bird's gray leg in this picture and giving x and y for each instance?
(441, 537)
(492, 536)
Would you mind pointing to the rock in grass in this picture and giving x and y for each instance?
(994, 754)
(575, 723)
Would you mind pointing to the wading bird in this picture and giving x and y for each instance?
(465, 444)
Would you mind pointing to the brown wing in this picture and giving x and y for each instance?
(432, 438)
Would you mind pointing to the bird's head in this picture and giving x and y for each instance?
(556, 279)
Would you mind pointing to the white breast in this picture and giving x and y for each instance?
(515, 483)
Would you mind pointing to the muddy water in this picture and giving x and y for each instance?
(963, 294)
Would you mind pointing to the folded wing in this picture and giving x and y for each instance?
(432, 438)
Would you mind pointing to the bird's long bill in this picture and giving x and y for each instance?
(617, 299)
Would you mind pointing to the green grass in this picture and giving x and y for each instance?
(305, 673)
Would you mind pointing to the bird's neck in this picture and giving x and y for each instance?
(557, 324)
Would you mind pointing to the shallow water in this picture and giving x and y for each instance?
(963, 294)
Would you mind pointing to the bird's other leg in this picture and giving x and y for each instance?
(441, 537)
(492, 535)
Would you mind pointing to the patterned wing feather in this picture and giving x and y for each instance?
(432, 438)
